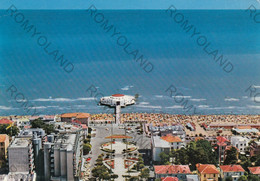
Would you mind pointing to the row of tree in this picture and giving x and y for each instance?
(9, 130)
(195, 152)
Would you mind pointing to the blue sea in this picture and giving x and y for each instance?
(100, 60)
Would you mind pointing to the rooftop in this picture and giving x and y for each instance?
(118, 95)
(160, 143)
(75, 115)
(171, 139)
(171, 169)
(169, 179)
(19, 142)
(254, 170)
(232, 168)
(207, 169)
(6, 121)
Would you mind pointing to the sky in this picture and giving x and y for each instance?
(130, 4)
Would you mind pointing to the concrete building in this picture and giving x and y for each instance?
(175, 130)
(240, 142)
(4, 143)
(62, 157)
(233, 171)
(20, 156)
(18, 176)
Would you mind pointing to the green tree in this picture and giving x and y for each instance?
(86, 148)
(164, 158)
(38, 123)
(9, 130)
(231, 156)
(257, 162)
(246, 164)
(180, 156)
(242, 178)
(145, 172)
(201, 152)
(253, 177)
(229, 178)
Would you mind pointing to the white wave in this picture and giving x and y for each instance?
(256, 86)
(253, 107)
(39, 107)
(231, 99)
(203, 106)
(150, 107)
(185, 97)
(79, 106)
(229, 107)
(197, 100)
(6, 108)
(144, 103)
(256, 99)
(85, 98)
(244, 97)
(127, 87)
(174, 107)
(159, 96)
(63, 99)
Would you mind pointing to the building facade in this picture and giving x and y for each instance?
(233, 171)
(20, 156)
(241, 143)
(4, 143)
(62, 158)
(178, 171)
(207, 172)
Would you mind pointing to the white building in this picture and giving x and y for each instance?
(165, 144)
(240, 142)
(118, 100)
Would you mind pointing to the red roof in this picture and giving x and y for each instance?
(207, 169)
(169, 179)
(232, 168)
(254, 170)
(118, 95)
(171, 169)
(222, 139)
(6, 121)
(170, 138)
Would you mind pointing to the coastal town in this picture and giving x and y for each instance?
(130, 146)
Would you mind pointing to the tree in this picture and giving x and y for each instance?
(253, 178)
(242, 178)
(38, 123)
(246, 164)
(9, 130)
(257, 162)
(86, 148)
(145, 173)
(229, 178)
(164, 158)
(180, 156)
(101, 172)
(231, 156)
